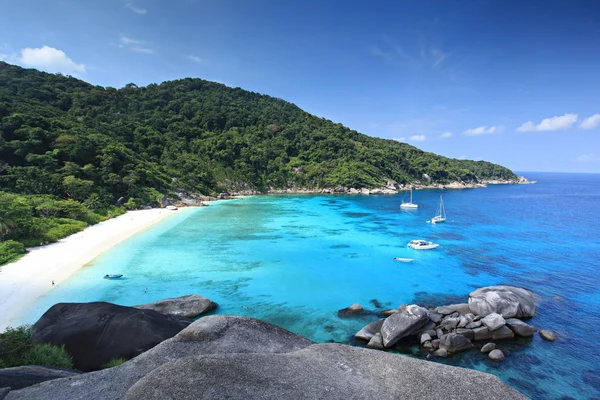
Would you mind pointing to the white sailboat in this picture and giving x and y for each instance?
(440, 214)
(410, 204)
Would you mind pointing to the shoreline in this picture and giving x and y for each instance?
(25, 280)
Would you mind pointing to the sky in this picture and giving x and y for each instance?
(512, 82)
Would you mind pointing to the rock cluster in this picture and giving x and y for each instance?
(491, 314)
(222, 356)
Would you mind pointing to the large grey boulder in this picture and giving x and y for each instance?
(403, 324)
(325, 371)
(20, 377)
(208, 335)
(454, 343)
(189, 306)
(369, 330)
(95, 333)
(496, 355)
(508, 301)
(493, 321)
(520, 328)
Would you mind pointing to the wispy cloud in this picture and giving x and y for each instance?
(130, 4)
(391, 51)
(194, 58)
(3, 57)
(550, 124)
(589, 158)
(591, 122)
(446, 135)
(139, 46)
(482, 130)
(438, 56)
(418, 138)
(400, 139)
(48, 59)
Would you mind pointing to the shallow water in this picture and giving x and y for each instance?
(295, 260)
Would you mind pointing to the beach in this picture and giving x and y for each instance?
(23, 281)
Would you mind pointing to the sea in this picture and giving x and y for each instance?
(295, 260)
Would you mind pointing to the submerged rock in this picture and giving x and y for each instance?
(189, 306)
(403, 324)
(95, 333)
(508, 301)
(353, 309)
(549, 335)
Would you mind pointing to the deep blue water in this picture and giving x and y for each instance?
(295, 260)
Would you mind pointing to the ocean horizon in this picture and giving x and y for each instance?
(295, 260)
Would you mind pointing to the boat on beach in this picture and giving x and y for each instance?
(440, 215)
(410, 204)
(406, 260)
(420, 244)
(113, 276)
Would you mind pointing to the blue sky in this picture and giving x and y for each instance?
(513, 82)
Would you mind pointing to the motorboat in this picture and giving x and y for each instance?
(113, 276)
(410, 204)
(406, 260)
(422, 245)
(172, 208)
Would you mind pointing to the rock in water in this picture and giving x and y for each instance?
(189, 306)
(488, 347)
(367, 332)
(20, 377)
(496, 355)
(95, 333)
(376, 342)
(508, 301)
(502, 333)
(454, 343)
(520, 328)
(441, 352)
(403, 324)
(493, 321)
(546, 334)
(353, 309)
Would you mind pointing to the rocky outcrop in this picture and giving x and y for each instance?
(241, 358)
(95, 333)
(20, 377)
(189, 306)
(493, 321)
(520, 328)
(403, 324)
(508, 301)
(454, 343)
(367, 332)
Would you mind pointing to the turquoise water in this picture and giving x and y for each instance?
(295, 260)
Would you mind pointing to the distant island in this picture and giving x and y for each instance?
(73, 154)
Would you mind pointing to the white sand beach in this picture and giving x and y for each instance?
(23, 281)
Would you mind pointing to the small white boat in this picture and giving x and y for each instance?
(410, 204)
(403, 259)
(422, 245)
(440, 215)
(173, 208)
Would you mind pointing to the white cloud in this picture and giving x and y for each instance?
(592, 157)
(588, 123)
(129, 4)
(550, 124)
(482, 130)
(194, 58)
(438, 56)
(3, 57)
(400, 139)
(142, 50)
(132, 44)
(49, 59)
(446, 135)
(462, 157)
(418, 138)
(127, 40)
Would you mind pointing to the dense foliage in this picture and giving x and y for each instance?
(64, 137)
(17, 348)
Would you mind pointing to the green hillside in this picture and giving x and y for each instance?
(65, 142)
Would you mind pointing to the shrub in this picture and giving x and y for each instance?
(114, 362)
(131, 204)
(49, 356)
(15, 343)
(10, 251)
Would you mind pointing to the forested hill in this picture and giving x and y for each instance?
(62, 136)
